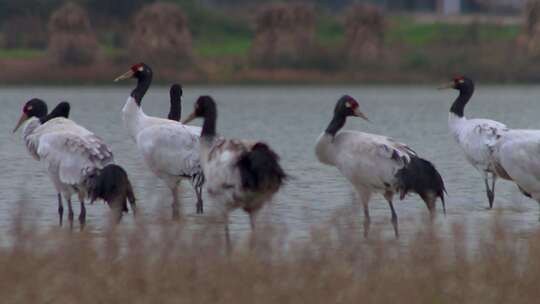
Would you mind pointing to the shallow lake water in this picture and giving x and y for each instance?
(289, 118)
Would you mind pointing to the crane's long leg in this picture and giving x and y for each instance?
(388, 196)
(490, 192)
(364, 196)
(493, 180)
(175, 207)
(70, 212)
(198, 182)
(198, 192)
(82, 214)
(60, 209)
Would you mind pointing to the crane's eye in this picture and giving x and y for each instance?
(141, 68)
(348, 104)
(461, 81)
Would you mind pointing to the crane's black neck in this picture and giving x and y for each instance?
(458, 107)
(209, 124)
(337, 122)
(61, 110)
(143, 83)
(175, 112)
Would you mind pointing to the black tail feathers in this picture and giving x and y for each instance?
(420, 176)
(112, 185)
(260, 169)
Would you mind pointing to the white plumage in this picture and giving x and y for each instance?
(68, 148)
(169, 148)
(518, 153)
(476, 137)
(71, 152)
(376, 164)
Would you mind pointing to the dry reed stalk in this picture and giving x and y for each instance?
(168, 263)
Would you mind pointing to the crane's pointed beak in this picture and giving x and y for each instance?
(23, 118)
(126, 75)
(359, 113)
(188, 119)
(449, 85)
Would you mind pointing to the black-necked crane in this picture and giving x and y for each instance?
(475, 136)
(78, 161)
(239, 173)
(517, 154)
(376, 164)
(169, 148)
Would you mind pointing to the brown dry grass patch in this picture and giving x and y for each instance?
(170, 263)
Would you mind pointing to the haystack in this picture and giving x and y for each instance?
(530, 37)
(364, 33)
(71, 39)
(284, 33)
(161, 35)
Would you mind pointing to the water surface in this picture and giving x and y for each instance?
(289, 118)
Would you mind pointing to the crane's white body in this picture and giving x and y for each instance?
(476, 138)
(518, 152)
(70, 151)
(169, 148)
(370, 162)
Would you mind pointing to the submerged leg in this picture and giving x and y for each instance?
(489, 192)
(364, 196)
(60, 209)
(493, 180)
(82, 214)
(70, 212)
(388, 196)
(198, 192)
(197, 182)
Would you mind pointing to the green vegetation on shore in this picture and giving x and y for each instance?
(413, 50)
(220, 37)
(20, 53)
(406, 30)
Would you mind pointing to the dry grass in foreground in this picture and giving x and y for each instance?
(171, 264)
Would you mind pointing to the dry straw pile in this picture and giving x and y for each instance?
(161, 35)
(364, 32)
(284, 32)
(71, 39)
